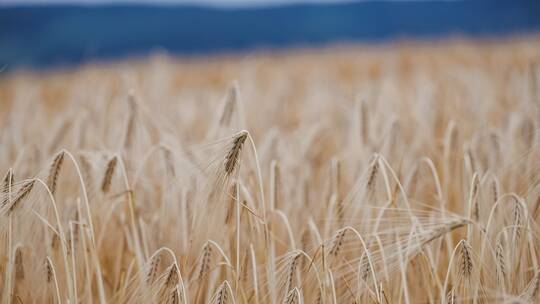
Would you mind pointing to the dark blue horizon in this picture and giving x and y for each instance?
(63, 35)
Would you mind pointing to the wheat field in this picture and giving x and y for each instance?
(406, 173)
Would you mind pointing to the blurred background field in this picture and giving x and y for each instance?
(349, 70)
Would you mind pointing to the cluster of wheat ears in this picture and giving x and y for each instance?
(406, 175)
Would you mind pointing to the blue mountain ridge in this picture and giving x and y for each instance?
(57, 35)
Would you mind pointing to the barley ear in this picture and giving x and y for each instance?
(109, 172)
(532, 290)
(153, 269)
(337, 242)
(205, 261)
(7, 187)
(501, 262)
(54, 171)
(130, 125)
(232, 158)
(291, 269)
(231, 100)
(293, 297)
(21, 195)
(19, 264)
(466, 264)
(223, 294)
